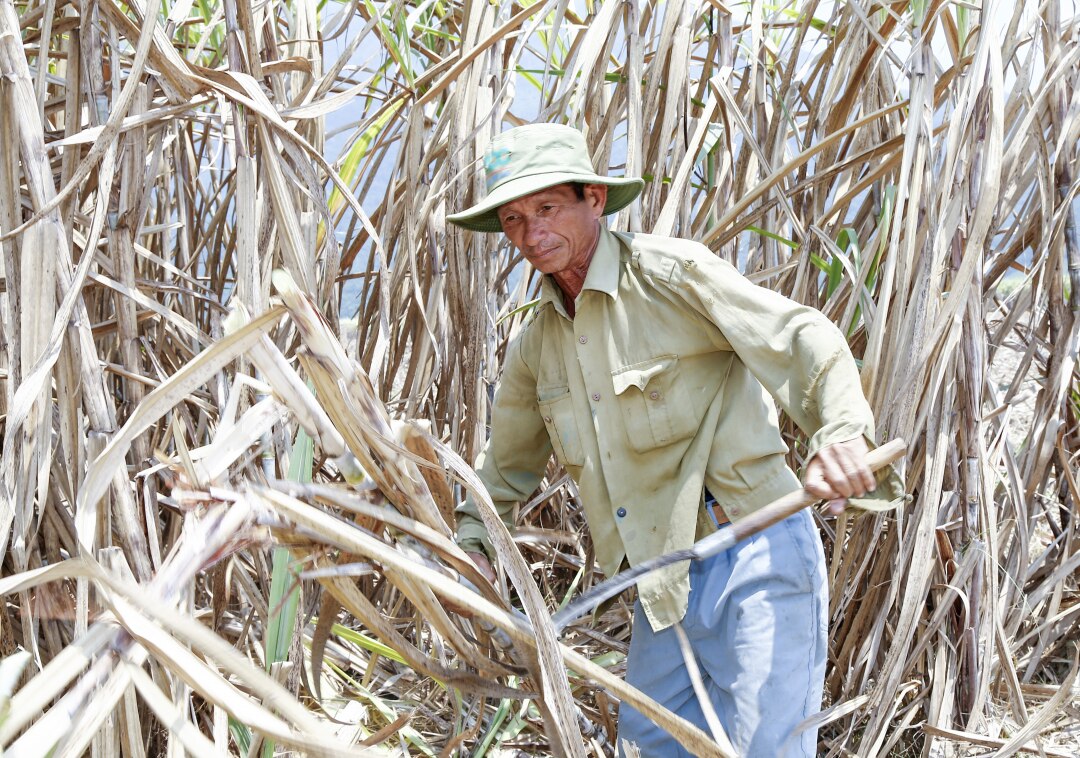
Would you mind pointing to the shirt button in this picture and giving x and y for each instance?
(583, 339)
(596, 396)
(621, 512)
(547, 419)
(654, 395)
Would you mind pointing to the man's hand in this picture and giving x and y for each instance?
(839, 471)
(484, 565)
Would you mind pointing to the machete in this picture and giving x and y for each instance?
(715, 543)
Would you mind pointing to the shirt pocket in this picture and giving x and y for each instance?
(652, 413)
(557, 410)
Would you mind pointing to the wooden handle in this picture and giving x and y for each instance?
(780, 509)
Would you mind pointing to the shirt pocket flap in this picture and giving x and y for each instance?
(557, 409)
(640, 374)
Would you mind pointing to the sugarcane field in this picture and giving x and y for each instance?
(577, 378)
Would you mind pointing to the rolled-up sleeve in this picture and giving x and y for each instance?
(515, 456)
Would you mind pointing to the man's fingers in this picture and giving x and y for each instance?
(483, 565)
(836, 507)
(844, 469)
(835, 467)
(853, 460)
(815, 482)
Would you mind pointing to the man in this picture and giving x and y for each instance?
(647, 368)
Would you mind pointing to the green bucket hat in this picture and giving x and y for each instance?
(530, 158)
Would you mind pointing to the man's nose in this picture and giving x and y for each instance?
(535, 231)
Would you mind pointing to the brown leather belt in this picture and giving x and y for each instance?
(721, 517)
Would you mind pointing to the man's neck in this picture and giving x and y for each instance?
(572, 280)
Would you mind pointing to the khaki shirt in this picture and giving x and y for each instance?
(661, 385)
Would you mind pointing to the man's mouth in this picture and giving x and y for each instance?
(542, 253)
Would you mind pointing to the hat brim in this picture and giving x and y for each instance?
(484, 217)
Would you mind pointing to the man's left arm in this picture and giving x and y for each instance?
(803, 360)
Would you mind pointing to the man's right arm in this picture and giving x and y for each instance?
(515, 456)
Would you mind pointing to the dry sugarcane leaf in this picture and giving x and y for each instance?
(328, 611)
(14, 64)
(292, 391)
(163, 639)
(150, 304)
(553, 675)
(216, 458)
(56, 730)
(33, 698)
(348, 537)
(332, 371)
(189, 735)
(214, 688)
(414, 435)
(160, 401)
(357, 542)
(444, 548)
(365, 611)
(991, 742)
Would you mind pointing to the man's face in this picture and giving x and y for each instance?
(553, 229)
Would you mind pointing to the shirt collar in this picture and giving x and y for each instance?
(603, 273)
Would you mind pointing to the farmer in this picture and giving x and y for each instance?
(647, 368)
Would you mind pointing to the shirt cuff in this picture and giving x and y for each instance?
(472, 537)
(837, 431)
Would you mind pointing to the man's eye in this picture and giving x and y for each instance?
(547, 208)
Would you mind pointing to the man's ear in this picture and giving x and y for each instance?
(596, 197)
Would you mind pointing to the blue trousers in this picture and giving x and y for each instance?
(757, 624)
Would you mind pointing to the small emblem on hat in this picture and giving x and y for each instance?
(495, 166)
